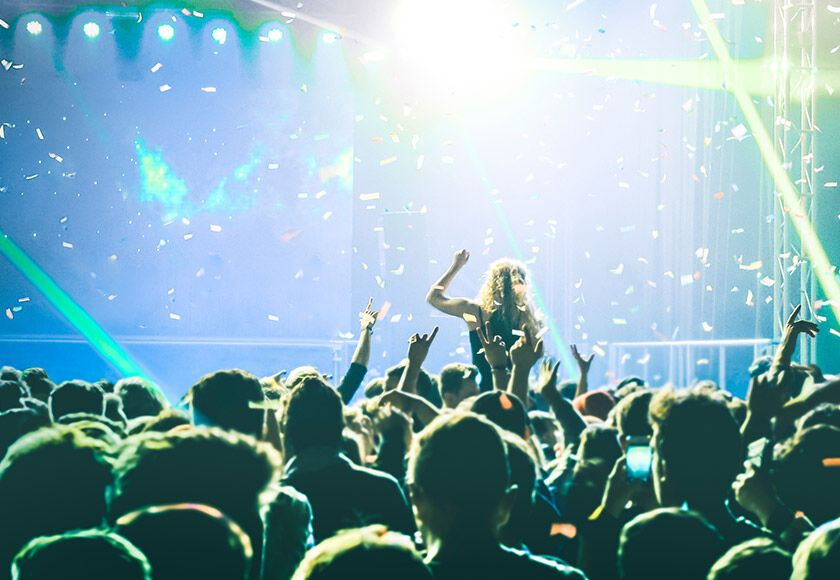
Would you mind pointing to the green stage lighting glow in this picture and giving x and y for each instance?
(811, 245)
(166, 32)
(100, 340)
(159, 183)
(34, 27)
(219, 35)
(91, 29)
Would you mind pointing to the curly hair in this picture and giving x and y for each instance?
(506, 288)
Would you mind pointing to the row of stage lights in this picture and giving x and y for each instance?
(166, 32)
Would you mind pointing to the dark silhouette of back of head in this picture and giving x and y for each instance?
(504, 410)
(756, 558)
(139, 397)
(93, 555)
(76, 397)
(51, 481)
(39, 383)
(189, 540)
(223, 399)
(312, 416)
(371, 553)
(668, 543)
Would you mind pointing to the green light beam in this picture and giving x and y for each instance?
(517, 252)
(755, 75)
(811, 245)
(100, 340)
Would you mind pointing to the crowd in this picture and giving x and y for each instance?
(493, 469)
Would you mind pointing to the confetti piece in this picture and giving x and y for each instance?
(739, 132)
(188, 236)
(396, 318)
(420, 161)
(834, 332)
(767, 281)
(505, 401)
(542, 331)
(831, 184)
(598, 350)
(702, 361)
(215, 228)
(448, 159)
(383, 311)
(644, 360)
(40, 134)
(752, 266)
(208, 89)
(707, 327)
(617, 270)
(174, 316)
(368, 196)
(164, 88)
(9, 314)
(67, 244)
(517, 332)
(298, 274)
(24, 299)
(58, 158)
(290, 235)
(156, 67)
(3, 23)
(398, 271)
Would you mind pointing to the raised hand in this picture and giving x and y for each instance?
(460, 259)
(368, 318)
(796, 327)
(582, 362)
(494, 349)
(547, 379)
(526, 352)
(418, 347)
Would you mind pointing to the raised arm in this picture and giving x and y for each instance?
(524, 354)
(583, 364)
(570, 420)
(460, 307)
(418, 349)
(355, 374)
(496, 356)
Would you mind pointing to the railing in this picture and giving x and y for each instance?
(681, 364)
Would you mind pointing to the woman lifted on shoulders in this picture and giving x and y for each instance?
(504, 300)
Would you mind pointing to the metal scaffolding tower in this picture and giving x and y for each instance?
(794, 54)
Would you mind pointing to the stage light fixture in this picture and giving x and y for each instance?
(166, 32)
(34, 27)
(330, 37)
(91, 29)
(219, 35)
(274, 35)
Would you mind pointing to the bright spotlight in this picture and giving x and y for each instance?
(166, 32)
(275, 34)
(219, 35)
(91, 29)
(34, 27)
(465, 46)
(329, 37)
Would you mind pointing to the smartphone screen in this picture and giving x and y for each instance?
(639, 458)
